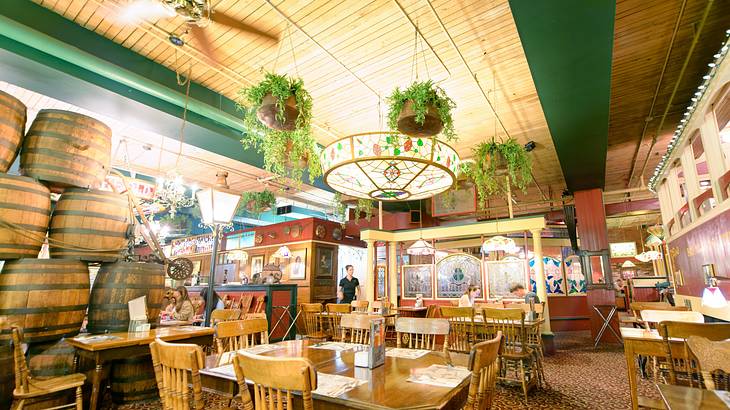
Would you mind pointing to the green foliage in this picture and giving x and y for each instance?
(366, 206)
(281, 149)
(257, 202)
(423, 94)
(486, 159)
(448, 199)
(339, 209)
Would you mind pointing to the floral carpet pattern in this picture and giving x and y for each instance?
(578, 378)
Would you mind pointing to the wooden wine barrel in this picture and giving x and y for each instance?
(118, 283)
(13, 115)
(66, 149)
(133, 380)
(46, 298)
(25, 204)
(89, 219)
(7, 374)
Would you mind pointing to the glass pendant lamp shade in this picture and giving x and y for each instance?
(218, 204)
(712, 297)
(282, 253)
(421, 248)
(499, 243)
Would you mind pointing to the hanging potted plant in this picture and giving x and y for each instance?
(421, 110)
(366, 206)
(258, 202)
(278, 118)
(497, 164)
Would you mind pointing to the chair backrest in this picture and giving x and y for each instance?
(539, 307)
(245, 304)
(259, 305)
(637, 307)
(358, 327)
(481, 305)
(360, 305)
(656, 316)
(714, 361)
(224, 315)
(335, 312)
(258, 315)
(312, 319)
(421, 333)
(432, 311)
(341, 308)
(484, 369)
(22, 374)
(177, 366)
(240, 334)
(461, 327)
(682, 359)
(274, 378)
(511, 322)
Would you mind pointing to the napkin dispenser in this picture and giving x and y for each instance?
(362, 359)
(138, 315)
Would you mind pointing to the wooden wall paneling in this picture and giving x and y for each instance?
(591, 217)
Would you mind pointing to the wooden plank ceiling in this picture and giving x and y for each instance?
(643, 37)
(374, 41)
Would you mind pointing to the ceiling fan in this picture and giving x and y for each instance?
(198, 14)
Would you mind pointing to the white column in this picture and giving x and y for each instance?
(540, 276)
(691, 179)
(714, 155)
(393, 272)
(675, 193)
(370, 272)
(664, 204)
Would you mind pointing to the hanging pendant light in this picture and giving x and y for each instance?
(282, 253)
(421, 248)
(712, 296)
(499, 243)
(649, 256)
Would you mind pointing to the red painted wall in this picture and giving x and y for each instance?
(276, 234)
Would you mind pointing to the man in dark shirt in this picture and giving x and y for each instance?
(349, 287)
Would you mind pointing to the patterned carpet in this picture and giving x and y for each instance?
(578, 378)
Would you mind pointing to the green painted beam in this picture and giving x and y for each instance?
(568, 44)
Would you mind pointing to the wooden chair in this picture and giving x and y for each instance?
(177, 367)
(259, 315)
(245, 304)
(516, 355)
(358, 327)
(481, 305)
(461, 327)
(683, 364)
(335, 312)
(27, 388)
(360, 305)
(274, 378)
(223, 315)
(240, 334)
(312, 316)
(259, 305)
(713, 358)
(421, 333)
(637, 307)
(432, 311)
(484, 369)
(655, 316)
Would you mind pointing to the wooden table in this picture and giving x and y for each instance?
(686, 398)
(175, 322)
(386, 386)
(412, 311)
(125, 345)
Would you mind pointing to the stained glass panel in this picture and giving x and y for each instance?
(576, 280)
(417, 279)
(554, 283)
(455, 273)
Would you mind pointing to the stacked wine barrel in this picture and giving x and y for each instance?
(64, 153)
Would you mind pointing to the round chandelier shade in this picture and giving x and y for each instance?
(499, 243)
(389, 166)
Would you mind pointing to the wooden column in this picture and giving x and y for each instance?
(540, 277)
(370, 272)
(393, 271)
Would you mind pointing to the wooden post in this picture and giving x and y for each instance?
(393, 272)
(509, 197)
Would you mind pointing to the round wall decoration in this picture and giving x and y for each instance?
(337, 233)
(258, 239)
(296, 231)
(320, 231)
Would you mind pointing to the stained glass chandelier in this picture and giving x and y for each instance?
(389, 166)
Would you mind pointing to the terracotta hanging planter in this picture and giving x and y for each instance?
(268, 110)
(432, 124)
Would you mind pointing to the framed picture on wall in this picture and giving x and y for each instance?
(297, 266)
(229, 271)
(455, 273)
(324, 266)
(417, 279)
(257, 264)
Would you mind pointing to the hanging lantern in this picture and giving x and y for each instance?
(649, 256)
(421, 248)
(282, 253)
(499, 243)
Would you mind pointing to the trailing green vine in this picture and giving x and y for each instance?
(281, 149)
(423, 94)
(366, 206)
(257, 202)
(339, 209)
(486, 159)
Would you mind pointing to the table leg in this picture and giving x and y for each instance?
(96, 385)
(631, 368)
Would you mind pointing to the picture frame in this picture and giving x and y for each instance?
(324, 263)
(257, 264)
(678, 278)
(417, 280)
(296, 268)
(229, 270)
(455, 273)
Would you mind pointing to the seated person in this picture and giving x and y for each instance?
(520, 291)
(619, 286)
(467, 299)
(184, 307)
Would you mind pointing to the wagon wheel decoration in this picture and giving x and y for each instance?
(180, 268)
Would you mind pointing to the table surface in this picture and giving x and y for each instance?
(639, 334)
(386, 386)
(124, 339)
(685, 398)
(175, 322)
(412, 308)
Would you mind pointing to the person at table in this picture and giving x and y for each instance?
(349, 286)
(618, 286)
(184, 309)
(467, 299)
(217, 303)
(520, 291)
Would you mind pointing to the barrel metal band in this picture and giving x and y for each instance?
(83, 231)
(108, 217)
(46, 194)
(23, 207)
(53, 309)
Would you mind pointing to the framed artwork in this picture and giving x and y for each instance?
(229, 271)
(297, 266)
(257, 264)
(455, 273)
(380, 278)
(324, 262)
(502, 275)
(196, 267)
(460, 201)
(417, 279)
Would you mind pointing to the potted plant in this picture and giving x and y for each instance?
(496, 164)
(257, 202)
(421, 110)
(366, 206)
(339, 208)
(278, 115)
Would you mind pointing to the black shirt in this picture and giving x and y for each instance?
(348, 288)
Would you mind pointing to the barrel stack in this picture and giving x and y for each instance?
(65, 153)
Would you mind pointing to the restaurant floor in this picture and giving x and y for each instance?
(578, 378)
